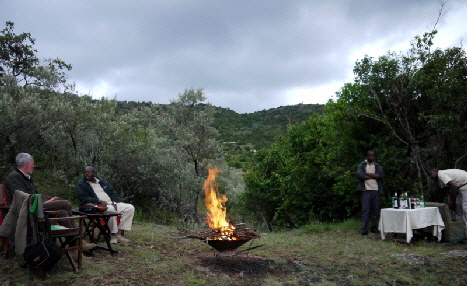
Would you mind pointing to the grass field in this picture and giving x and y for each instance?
(318, 254)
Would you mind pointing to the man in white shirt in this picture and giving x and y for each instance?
(456, 180)
(93, 189)
(370, 175)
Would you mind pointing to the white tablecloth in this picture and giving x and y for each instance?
(404, 220)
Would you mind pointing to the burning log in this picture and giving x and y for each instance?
(239, 232)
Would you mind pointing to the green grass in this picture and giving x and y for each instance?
(319, 254)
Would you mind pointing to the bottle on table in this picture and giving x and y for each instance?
(417, 203)
(395, 205)
(406, 201)
(402, 201)
(412, 202)
(422, 202)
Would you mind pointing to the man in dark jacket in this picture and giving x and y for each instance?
(20, 179)
(370, 175)
(93, 189)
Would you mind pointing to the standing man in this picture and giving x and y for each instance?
(456, 180)
(370, 175)
(93, 189)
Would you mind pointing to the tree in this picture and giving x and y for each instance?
(19, 64)
(288, 187)
(191, 129)
(420, 97)
(410, 107)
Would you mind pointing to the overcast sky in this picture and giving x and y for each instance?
(247, 55)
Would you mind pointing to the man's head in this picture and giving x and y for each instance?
(433, 173)
(90, 174)
(370, 156)
(25, 163)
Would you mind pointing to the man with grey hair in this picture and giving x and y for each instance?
(20, 179)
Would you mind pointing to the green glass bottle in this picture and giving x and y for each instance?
(422, 202)
(406, 201)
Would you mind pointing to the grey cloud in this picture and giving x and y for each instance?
(246, 54)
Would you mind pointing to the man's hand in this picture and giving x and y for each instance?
(52, 199)
(452, 205)
(114, 205)
(371, 175)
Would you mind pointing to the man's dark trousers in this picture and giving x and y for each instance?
(370, 210)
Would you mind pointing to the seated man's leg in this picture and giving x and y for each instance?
(127, 211)
(64, 210)
(126, 220)
(112, 223)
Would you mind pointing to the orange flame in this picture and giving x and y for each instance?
(215, 203)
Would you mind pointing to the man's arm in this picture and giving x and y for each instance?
(361, 174)
(378, 175)
(452, 195)
(13, 183)
(84, 196)
(368, 176)
(110, 191)
(440, 195)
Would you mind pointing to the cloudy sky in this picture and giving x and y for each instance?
(247, 55)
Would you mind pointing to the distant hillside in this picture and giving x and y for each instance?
(243, 133)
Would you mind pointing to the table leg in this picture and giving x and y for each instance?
(88, 230)
(104, 230)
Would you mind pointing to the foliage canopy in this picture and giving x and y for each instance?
(408, 107)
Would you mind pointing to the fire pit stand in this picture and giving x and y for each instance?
(229, 247)
(226, 243)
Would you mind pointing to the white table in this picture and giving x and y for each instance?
(404, 220)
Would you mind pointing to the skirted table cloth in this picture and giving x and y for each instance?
(405, 220)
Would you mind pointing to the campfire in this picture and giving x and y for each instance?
(222, 235)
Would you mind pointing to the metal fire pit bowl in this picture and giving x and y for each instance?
(226, 245)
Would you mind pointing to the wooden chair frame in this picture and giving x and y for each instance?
(64, 238)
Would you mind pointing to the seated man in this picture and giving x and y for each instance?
(93, 189)
(20, 179)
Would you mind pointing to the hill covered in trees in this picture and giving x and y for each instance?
(242, 134)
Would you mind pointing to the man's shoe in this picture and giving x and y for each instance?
(113, 239)
(88, 246)
(375, 230)
(464, 241)
(121, 239)
(364, 232)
